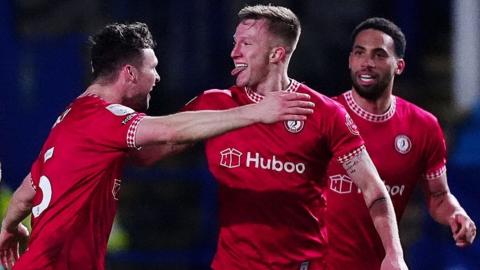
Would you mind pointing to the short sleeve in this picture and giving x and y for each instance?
(117, 126)
(345, 140)
(435, 152)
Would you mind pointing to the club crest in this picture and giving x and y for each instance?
(351, 125)
(403, 144)
(294, 126)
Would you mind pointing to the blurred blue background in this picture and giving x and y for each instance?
(167, 216)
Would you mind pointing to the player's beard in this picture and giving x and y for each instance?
(374, 91)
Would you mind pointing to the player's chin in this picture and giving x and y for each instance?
(240, 83)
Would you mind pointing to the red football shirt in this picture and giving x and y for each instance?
(407, 146)
(270, 182)
(77, 180)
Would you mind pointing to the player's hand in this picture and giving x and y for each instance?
(280, 106)
(10, 245)
(463, 229)
(393, 263)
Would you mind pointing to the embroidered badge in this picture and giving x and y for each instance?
(403, 144)
(294, 126)
(351, 125)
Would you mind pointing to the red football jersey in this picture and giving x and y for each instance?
(77, 177)
(270, 182)
(407, 146)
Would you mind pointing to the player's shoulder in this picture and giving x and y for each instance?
(321, 101)
(214, 94)
(211, 99)
(90, 103)
(414, 112)
(221, 92)
(95, 110)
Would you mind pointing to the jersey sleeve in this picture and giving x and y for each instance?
(117, 126)
(345, 140)
(435, 152)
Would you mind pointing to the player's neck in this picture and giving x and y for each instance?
(107, 92)
(272, 84)
(377, 106)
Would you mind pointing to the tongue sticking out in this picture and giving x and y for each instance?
(237, 70)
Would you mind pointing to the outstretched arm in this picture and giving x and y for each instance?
(364, 174)
(150, 154)
(12, 231)
(446, 209)
(187, 127)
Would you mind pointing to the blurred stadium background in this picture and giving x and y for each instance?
(167, 216)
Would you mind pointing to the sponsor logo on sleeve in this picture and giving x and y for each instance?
(128, 118)
(119, 110)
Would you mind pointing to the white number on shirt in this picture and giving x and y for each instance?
(47, 196)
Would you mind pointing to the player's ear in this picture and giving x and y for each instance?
(400, 66)
(277, 54)
(130, 73)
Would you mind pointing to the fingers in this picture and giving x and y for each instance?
(3, 259)
(293, 117)
(453, 225)
(463, 229)
(470, 232)
(296, 96)
(16, 252)
(6, 258)
(300, 103)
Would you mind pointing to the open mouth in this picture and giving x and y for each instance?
(239, 67)
(366, 79)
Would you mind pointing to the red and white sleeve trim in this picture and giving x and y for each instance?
(132, 131)
(435, 174)
(352, 154)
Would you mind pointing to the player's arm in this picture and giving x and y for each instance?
(150, 154)
(12, 231)
(364, 174)
(446, 209)
(187, 127)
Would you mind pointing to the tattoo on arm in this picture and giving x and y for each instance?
(375, 201)
(351, 164)
(439, 194)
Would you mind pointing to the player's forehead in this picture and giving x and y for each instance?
(374, 39)
(250, 28)
(149, 57)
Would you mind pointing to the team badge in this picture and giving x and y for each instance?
(403, 144)
(351, 125)
(119, 110)
(294, 126)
